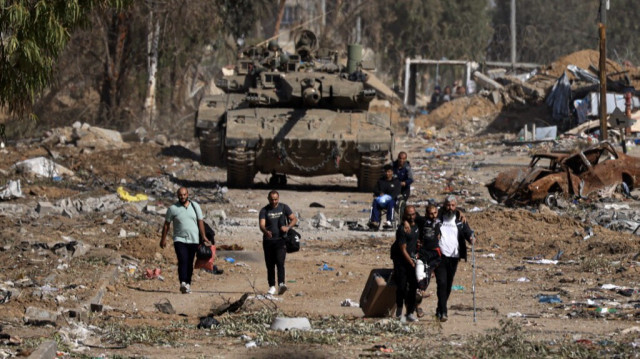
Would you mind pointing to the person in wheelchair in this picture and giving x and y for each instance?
(385, 194)
(402, 171)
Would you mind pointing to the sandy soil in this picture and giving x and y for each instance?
(507, 283)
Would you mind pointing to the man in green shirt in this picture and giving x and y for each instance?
(188, 228)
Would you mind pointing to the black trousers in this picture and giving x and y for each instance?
(186, 253)
(406, 285)
(444, 278)
(275, 252)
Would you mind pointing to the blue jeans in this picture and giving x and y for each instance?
(376, 211)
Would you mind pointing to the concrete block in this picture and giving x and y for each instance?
(46, 350)
(336, 223)
(47, 208)
(39, 316)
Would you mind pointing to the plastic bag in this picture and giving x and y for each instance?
(207, 263)
(204, 252)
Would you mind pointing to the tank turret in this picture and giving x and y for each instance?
(302, 114)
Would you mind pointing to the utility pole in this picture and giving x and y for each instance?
(513, 35)
(603, 69)
(359, 24)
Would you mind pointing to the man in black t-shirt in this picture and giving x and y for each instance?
(275, 221)
(403, 254)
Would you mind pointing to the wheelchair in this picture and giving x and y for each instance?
(398, 208)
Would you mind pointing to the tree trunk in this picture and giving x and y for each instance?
(276, 30)
(153, 38)
(115, 38)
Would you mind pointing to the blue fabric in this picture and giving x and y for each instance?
(376, 210)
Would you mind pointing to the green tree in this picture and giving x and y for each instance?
(32, 36)
(434, 29)
(543, 32)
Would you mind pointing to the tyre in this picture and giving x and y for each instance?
(240, 167)
(211, 150)
(370, 170)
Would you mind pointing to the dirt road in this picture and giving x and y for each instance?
(122, 241)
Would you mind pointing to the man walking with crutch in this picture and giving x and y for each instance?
(453, 235)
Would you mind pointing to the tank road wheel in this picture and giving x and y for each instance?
(370, 171)
(240, 167)
(211, 150)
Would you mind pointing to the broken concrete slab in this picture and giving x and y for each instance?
(320, 221)
(46, 350)
(39, 316)
(11, 190)
(47, 208)
(42, 167)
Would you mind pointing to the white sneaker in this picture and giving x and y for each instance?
(272, 290)
(412, 318)
(387, 224)
(188, 290)
(184, 288)
(281, 289)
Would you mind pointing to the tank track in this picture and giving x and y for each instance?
(370, 170)
(211, 153)
(240, 167)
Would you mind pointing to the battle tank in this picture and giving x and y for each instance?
(301, 114)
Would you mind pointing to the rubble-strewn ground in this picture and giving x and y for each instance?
(119, 241)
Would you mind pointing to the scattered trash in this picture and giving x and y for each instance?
(325, 267)
(457, 287)
(515, 315)
(5, 295)
(429, 150)
(610, 286)
(125, 196)
(523, 279)
(229, 259)
(349, 303)
(489, 255)
(542, 261)
(549, 299)
(589, 232)
(208, 322)
(251, 344)
(558, 255)
(216, 270)
(131, 270)
(382, 348)
(153, 273)
(264, 297)
(605, 310)
(628, 292)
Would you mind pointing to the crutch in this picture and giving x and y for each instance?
(473, 279)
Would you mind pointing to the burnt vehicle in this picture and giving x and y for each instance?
(302, 114)
(583, 173)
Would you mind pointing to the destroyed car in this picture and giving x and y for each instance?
(599, 169)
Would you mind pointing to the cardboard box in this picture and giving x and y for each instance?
(378, 298)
